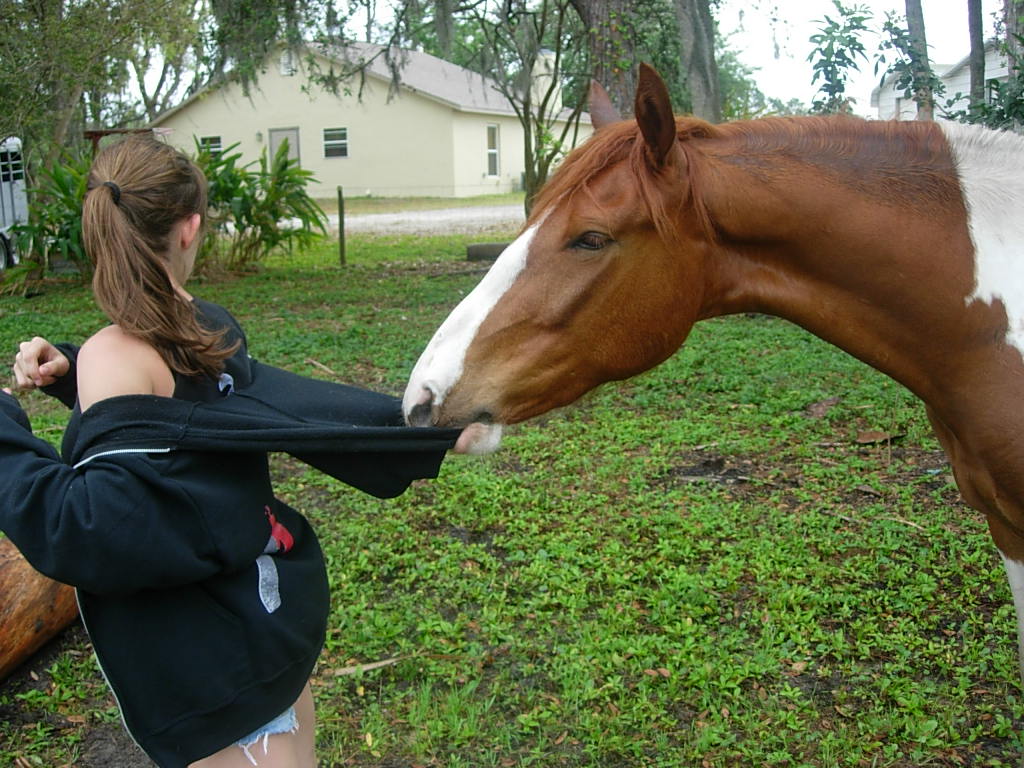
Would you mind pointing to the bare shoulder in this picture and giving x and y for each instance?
(113, 363)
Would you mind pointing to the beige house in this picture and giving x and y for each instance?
(445, 131)
(892, 104)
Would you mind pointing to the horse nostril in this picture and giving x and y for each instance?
(420, 414)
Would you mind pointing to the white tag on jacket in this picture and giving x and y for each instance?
(270, 590)
(226, 384)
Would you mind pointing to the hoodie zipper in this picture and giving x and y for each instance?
(118, 452)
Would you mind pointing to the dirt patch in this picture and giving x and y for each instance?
(110, 745)
(103, 744)
(707, 469)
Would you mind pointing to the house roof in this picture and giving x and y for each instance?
(991, 46)
(434, 78)
(944, 71)
(420, 73)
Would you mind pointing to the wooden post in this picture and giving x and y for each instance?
(341, 227)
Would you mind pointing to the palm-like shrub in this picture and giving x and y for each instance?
(53, 232)
(256, 208)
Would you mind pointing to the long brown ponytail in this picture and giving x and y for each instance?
(138, 189)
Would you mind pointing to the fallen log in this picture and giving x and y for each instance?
(33, 608)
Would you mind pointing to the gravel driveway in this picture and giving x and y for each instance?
(460, 220)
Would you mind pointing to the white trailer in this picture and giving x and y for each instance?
(13, 198)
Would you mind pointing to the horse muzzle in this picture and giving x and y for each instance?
(423, 408)
(480, 434)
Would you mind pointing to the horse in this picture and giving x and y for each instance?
(902, 243)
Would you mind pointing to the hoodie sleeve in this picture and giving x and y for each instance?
(116, 525)
(65, 388)
(385, 469)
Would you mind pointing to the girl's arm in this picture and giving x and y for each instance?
(119, 524)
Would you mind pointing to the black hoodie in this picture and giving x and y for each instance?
(205, 597)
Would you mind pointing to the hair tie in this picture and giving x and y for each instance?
(115, 191)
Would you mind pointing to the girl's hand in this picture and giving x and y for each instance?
(38, 364)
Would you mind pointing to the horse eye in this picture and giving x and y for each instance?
(591, 241)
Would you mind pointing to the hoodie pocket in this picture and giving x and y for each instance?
(170, 655)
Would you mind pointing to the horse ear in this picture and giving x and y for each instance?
(602, 111)
(654, 114)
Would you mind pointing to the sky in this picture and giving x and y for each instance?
(788, 74)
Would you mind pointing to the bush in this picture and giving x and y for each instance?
(54, 228)
(1004, 109)
(255, 211)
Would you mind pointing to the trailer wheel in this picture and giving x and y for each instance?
(6, 253)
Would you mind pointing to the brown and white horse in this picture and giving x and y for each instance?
(900, 242)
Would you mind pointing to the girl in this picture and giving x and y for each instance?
(204, 596)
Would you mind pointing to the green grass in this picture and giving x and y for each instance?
(702, 566)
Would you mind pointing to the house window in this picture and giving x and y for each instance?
(286, 63)
(492, 150)
(335, 142)
(992, 92)
(211, 144)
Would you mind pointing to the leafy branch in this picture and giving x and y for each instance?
(838, 48)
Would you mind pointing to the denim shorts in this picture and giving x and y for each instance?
(286, 722)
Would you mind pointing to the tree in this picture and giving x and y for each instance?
(977, 53)
(914, 75)
(677, 37)
(246, 31)
(172, 52)
(612, 39)
(700, 71)
(921, 72)
(527, 46)
(1013, 20)
(1003, 104)
(1011, 96)
(57, 58)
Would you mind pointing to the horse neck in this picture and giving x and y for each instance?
(860, 239)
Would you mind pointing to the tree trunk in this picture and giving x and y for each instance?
(1013, 14)
(444, 26)
(1013, 17)
(977, 58)
(699, 69)
(66, 105)
(610, 39)
(33, 608)
(923, 95)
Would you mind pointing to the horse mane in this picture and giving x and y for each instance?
(622, 142)
(906, 163)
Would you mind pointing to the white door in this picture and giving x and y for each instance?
(291, 135)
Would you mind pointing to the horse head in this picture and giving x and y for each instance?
(604, 281)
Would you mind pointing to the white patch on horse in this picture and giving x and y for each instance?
(1015, 573)
(441, 363)
(991, 169)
